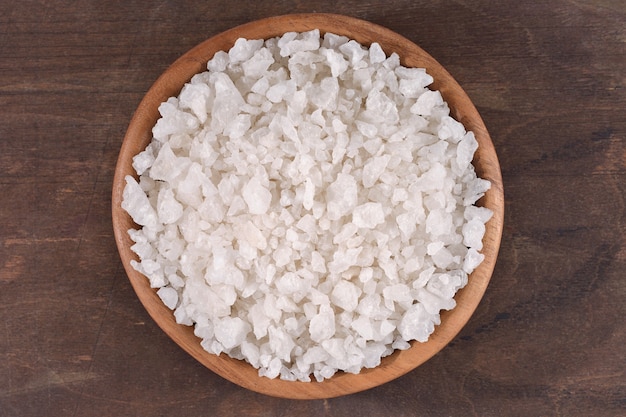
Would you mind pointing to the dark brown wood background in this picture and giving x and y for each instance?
(548, 339)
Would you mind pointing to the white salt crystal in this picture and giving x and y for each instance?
(472, 260)
(443, 258)
(426, 103)
(281, 343)
(399, 293)
(258, 64)
(254, 236)
(341, 196)
(336, 61)
(416, 324)
(482, 214)
(169, 296)
(260, 87)
(315, 354)
(309, 194)
(281, 91)
(367, 129)
(377, 55)
(432, 303)
(257, 197)
(473, 232)
(363, 326)
(475, 190)
(174, 120)
(196, 97)
(318, 263)
(169, 209)
(282, 256)
(410, 88)
(368, 215)
(333, 41)
(230, 332)
(238, 126)
(353, 51)
(243, 50)
(346, 295)
(136, 203)
(322, 326)
(373, 169)
(228, 101)
(251, 353)
(343, 260)
(451, 130)
(144, 160)
(219, 62)
(346, 232)
(167, 166)
(306, 41)
(382, 106)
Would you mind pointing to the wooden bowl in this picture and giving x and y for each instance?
(486, 164)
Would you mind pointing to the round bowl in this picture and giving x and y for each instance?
(485, 162)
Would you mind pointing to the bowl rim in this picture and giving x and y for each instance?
(486, 164)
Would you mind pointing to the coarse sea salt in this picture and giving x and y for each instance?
(308, 205)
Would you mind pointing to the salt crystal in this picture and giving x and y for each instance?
(317, 262)
(482, 214)
(473, 232)
(416, 324)
(281, 91)
(336, 61)
(333, 41)
(136, 203)
(309, 194)
(367, 129)
(281, 343)
(426, 103)
(243, 50)
(432, 303)
(472, 260)
(230, 332)
(341, 196)
(174, 120)
(257, 197)
(306, 41)
(196, 97)
(343, 260)
(410, 88)
(353, 51)
(373, 169)
(322, 326)
(219, 62)
(282, 256)
(377, 55)
(363, 327)
(167, 166)
(399, 293)
(368, 215)
(465, 150)
(238, 126)
(258, 64)
(144, 160)
(345, 295)
(169, 296)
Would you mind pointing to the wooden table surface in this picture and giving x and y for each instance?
(549, 337)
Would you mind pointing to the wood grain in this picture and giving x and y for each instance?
(548, 336)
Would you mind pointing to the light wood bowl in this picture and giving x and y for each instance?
(486, 164)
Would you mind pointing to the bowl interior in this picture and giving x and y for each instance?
(485, 161)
